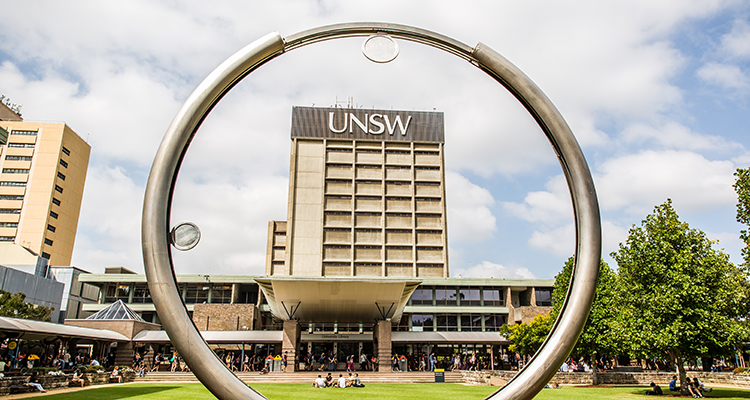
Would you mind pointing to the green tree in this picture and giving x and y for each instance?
(596, 337)
(679, 296)
(742, 187)
(14, 305)
(526, 338)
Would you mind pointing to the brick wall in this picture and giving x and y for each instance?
(224, 317)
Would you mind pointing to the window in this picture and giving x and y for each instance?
(66, 151)
(10, 197)
(196, 294)
(55, 201)
(471, 323)
(543, 297)
(493, 322)
(15, 171)
(422, 323)
(51, 228)
(53, 214)
(58, 188)
(422, 297)
(7, 238)
(447, 322)
(8, 224)
(10, 211)
(47, 242)
(221, 294)
(117, 291)
(493, 297)
(23, 184)
(21, 145)
(45, 255)
(445, 296)
(18, 158)
(469, 296)
(141, 293)
(60, 175)
(27, 133)
(64, 163)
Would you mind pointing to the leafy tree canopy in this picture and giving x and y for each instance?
(742, 187)
(526, 338)
(596, 337)
(14, 305)
(679, 296)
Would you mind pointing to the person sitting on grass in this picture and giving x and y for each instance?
(357, 382)
(78, 378)
(673, 384)
(693, 390)
(116, 375)
(319, 383)
(655, 390)
(33, 380)
(342, 381)
(701, 386)
(329, 380)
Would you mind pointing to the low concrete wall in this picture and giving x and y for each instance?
(48, 382)
(611, 378)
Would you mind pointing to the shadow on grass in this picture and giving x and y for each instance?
(119, 392)
(716, 393)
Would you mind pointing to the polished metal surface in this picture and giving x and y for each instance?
(155, 223)
(380, 48)
(185, 236)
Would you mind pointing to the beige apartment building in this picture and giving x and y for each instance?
(42, 175)
(366, 196)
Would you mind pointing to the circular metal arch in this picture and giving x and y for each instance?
(160, 186)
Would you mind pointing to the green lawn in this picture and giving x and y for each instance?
(382, 391)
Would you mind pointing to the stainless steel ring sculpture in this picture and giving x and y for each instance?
(159, 190)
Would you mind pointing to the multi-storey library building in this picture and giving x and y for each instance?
(361, 263)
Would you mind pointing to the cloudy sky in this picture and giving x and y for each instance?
(656, 92)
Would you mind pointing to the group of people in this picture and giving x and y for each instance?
(695, 388)
(341, 382)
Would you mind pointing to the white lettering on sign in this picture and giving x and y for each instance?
(372, 124)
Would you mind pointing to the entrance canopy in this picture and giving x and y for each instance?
(340, 300)
(37, 330)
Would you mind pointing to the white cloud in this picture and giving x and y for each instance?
(559, 241)
(469, 215)
(636, 183)
(487, 269)
(737, 42)
(724, 75)
(548, 207)
(673, 135)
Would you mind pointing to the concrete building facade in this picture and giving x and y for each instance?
(42, 175)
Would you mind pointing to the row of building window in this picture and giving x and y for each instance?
(21, 145)
(192, 293)
(10, 197)
(8, 224)
(18, 158)
(456, 322)
(19, 184)
(7, 238)
(10, 211)
(457, 296)
(15, 171)
(24, 132)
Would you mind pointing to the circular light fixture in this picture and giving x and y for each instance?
(183, 334)
(380, 48)
(185, 235)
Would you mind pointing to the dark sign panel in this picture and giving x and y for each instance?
(359, 124)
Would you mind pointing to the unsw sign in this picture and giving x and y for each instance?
(359, 124)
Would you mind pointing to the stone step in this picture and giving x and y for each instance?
(308, 377)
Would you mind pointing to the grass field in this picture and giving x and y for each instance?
(382, 391)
